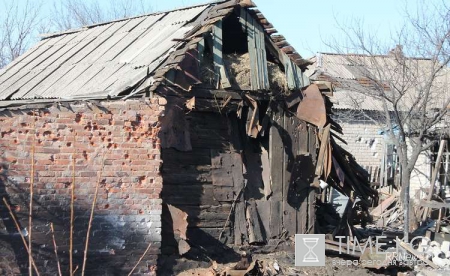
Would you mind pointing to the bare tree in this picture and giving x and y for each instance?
(411, 83)
(70, 14)
(18, 22)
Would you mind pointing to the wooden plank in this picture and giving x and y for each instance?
(289, 199)
(379, 210)
(219, 67)
(312, 142)
(240, 229)
(276, 157)
(303, 138)
(221, 169)
(275, 220)
(257, 51)
(324, 141)
(311, 211)
(434, 204)
(255, 234)
(264, 209)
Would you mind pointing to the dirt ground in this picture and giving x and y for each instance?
(280, 263)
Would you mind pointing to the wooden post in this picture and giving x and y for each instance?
(434, 174)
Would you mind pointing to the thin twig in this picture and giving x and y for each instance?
(56, 249)
(20, 233)
(30, 216)
(140, 259)
(72, 198)
(94, 202)
(233, 205)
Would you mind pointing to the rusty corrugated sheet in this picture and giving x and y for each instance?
(312, 108)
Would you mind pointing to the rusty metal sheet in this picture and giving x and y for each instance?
(312, 108)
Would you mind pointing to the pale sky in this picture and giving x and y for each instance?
(307, 24)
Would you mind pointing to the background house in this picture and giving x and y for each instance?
(361, 114)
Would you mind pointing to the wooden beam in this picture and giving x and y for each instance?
(222, 79)
(324, 141)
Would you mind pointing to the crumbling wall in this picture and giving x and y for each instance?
(115, 145)
(364, 141)
(188, 183)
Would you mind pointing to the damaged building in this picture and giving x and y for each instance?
(361, 114)
(193, 130)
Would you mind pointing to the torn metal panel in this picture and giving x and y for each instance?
(312, 108)
(174, 131)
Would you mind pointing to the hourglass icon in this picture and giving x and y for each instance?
(310, 256)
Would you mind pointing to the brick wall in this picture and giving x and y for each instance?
(114, 144)
(364, 142)
(367, 145)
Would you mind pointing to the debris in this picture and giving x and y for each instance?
(411, 250)
(190, 104)
(380, 209)
(244, 263)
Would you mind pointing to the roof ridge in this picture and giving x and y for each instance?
(364, 55)
(83, 28)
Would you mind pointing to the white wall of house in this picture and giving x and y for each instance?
(366, 144)
(363, 141)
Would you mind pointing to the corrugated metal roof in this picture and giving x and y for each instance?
(104, 59)
(350, 74)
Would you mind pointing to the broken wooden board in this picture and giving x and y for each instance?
(379, 210)
(312, 108)
(323, 157)
(255, 233)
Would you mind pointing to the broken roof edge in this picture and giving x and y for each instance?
(86, 27)
(363, 55)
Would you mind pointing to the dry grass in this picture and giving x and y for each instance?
(238, 65)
